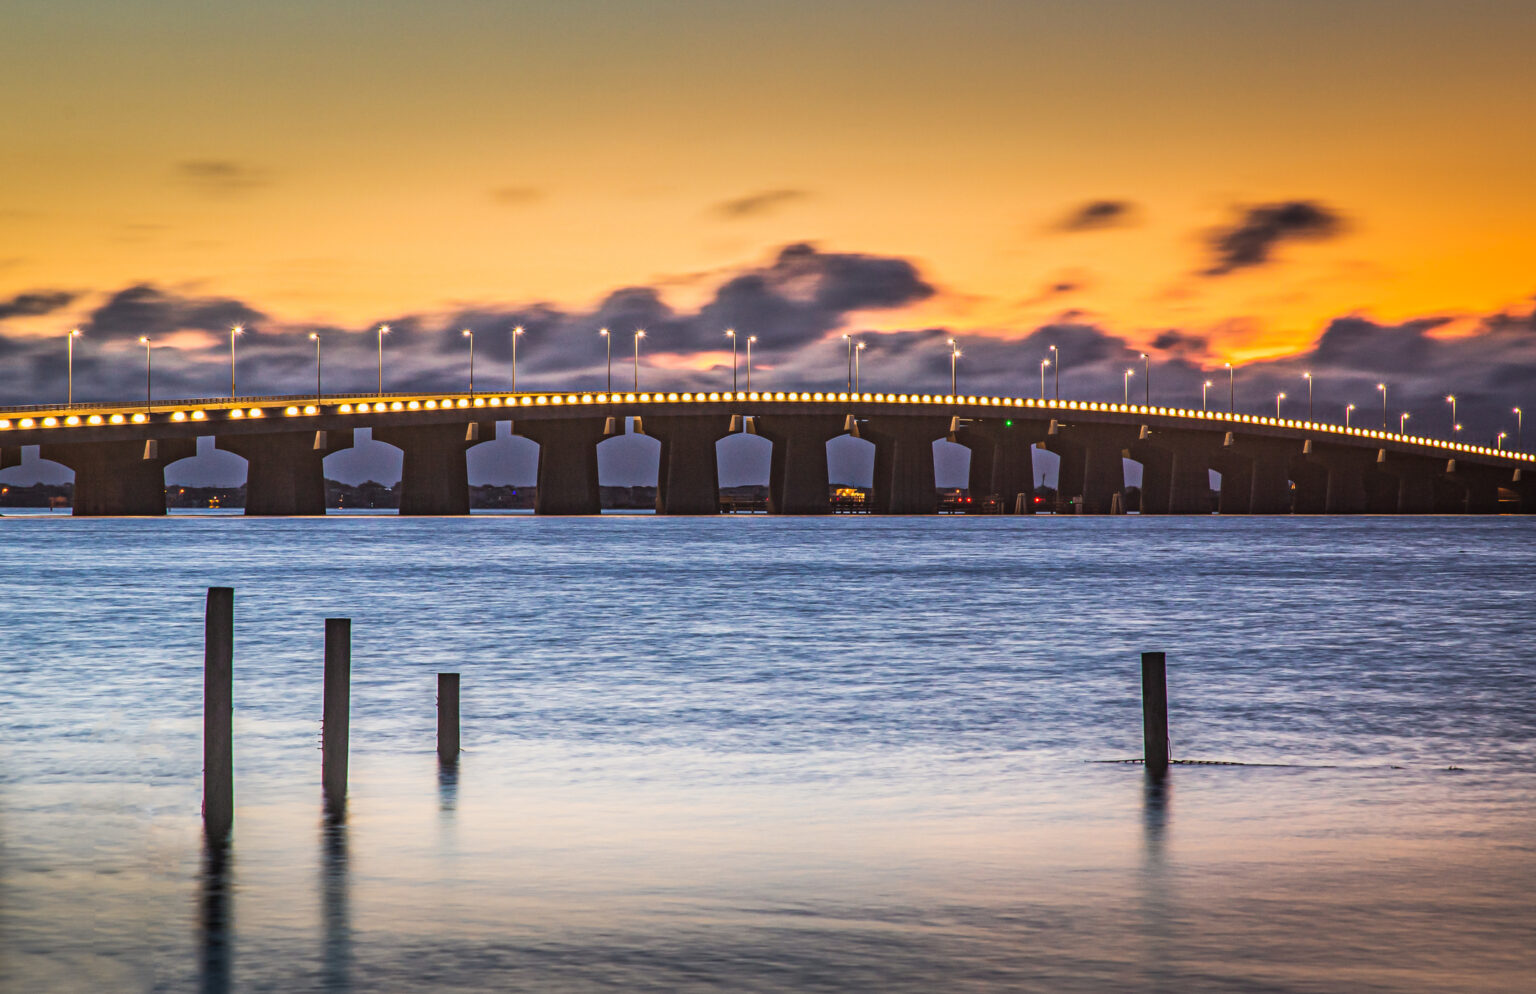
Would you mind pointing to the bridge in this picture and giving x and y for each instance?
(1267, 465)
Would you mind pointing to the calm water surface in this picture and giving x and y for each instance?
(751, 754)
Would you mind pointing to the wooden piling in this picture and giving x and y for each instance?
(218, 713)
(337, 715)
(1154, 711)
(448, 718)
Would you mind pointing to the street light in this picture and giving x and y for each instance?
(1402, 423)
(731, 334)
(849, 340)
(516, 334)
(148, 371)
(1278, 398)
(1308, 378)
(237, 329)
(638, 335)
(383, 330)
(314, 336)
(1518, 418)
(1499, 442)
(1043, 363)
(608, 343)
(1231, 389)
(1383, 388)
(1128, 374)
(858, 350)
(1348, 410)
(1205, 389)
(954, 353)
(75, 333)
(1056, 372)
(750, 340)
(471, 336)
(1146, 363)
(1451, 399)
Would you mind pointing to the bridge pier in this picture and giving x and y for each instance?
(1001, 460)
(119, 478)
(797, 474)
(1414, 477)
(689, 477)
(1344, 489)
(434, 476)
(904, 482)
(1091, 467)
(1480, 485)
(1256, 474)
(1175, 473)
(285, 471)
(567, 464)
(10, 456)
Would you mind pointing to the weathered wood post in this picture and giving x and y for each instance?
(448, 718)
(218, 713)
(337, 717)
(1154, 711)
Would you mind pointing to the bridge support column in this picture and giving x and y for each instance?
(119, 478)
(1175, 472)
(1412, 489)
(1091, 467)
(1236, 471)
(1264, 486)
(904, 482)
(797, 474)
(567, 464)
(1001, 461)
(1345, 487)
(1156, 476)
(285, 471)
(689, 477)
(1481, 485)
(10, 457)
(434, 477)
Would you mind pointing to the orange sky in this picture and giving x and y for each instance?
(357, 161)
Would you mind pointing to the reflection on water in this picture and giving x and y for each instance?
(774, 755)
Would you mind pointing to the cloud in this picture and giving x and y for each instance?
(1252, 238)
(512, 196)
(758, 204)
(1096, 215)
(144, 309)
(221, 177)
(34, 303)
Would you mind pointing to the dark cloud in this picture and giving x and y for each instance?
(145, 309)
(1174, 341)
(512, 196)
(1251, 239)
(1096, 215)
(34, 303)
(221, 176)
(757, 204)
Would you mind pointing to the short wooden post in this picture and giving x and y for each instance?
(337, 716)
(1154, 711)
(218, 713)
(448, 717)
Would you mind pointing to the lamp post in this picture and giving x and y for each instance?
(314, 336)
(1128, 374)
(1518, 418)
(1451, 399)
(517, 333)
(74, 334)
(1146, 363)
(1348, 410)
(954, 354)
(148, 372)
(1383, 388)
(638, 335)
(849, 340)
(1308, 378)
(1231, 389)
(750, 340)
(1056, 372)
(471, 336)
(383, 330)
(1205, 389)
(1402, 423)
(236, 330)
(608, 344)
(1499, 442)
(858, 350)
(731, 334)
(1043, 363)
(1278, 398)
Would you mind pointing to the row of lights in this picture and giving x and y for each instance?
(556, 400)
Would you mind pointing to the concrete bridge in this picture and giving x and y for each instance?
(1267, 465)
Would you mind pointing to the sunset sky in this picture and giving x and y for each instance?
(1211, 181)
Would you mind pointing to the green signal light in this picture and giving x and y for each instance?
(1009, 423)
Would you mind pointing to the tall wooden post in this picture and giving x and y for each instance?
(337, 717)
(448, 717)
(218, 713)
(1154, 711)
